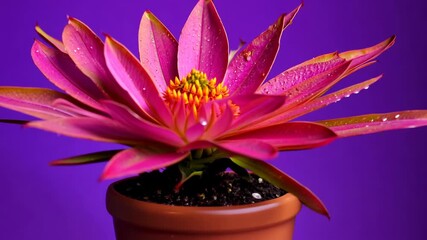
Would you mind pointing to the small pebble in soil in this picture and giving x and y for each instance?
(256, 195)
(222, 189)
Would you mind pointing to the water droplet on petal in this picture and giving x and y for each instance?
(397, 116)
(247, 55)
(384, 119)
(366, 88)
(203, 122)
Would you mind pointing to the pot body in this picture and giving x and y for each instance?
(134, 219)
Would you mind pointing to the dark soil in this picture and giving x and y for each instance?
(222, 189)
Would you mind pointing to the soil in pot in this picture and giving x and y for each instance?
(219, 189)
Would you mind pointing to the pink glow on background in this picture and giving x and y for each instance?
(374, 186)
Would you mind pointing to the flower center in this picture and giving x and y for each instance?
(194, 90)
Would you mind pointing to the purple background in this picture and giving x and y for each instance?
(374, 186)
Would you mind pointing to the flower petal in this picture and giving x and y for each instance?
(87, 51)
(217, 126)
(372, 123)
(138, 160)
(315, 86)
(294, 76)
(253, 149)
(253, 107)
(147, 130)
(62, 72)
(319, 103)
(283, 181)
(203, 44)
(361, 56)
(157, 50)
(104, 130)
(86, 158)
(249, 68)
(290, 136)
(132, 77)
(35, 102)
(76, 110)
(51, 40)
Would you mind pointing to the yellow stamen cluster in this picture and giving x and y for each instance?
(194, 89)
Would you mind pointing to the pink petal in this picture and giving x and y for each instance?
(104, 130)
(319, 103)
(253, 149)
(147, 130)
(157, 51)
(249, 68)
(62, 72)
(51, 40)
(372, 123)
(87, 51)
(315, 86)
(35, 102)
(76, 110)
(203, 44)
(283, 181)
(138, 160)
(294, 76)
(290, 136)
(132, 77)
(217, 126)
(195, 132)
(253, 108)
(360, 56)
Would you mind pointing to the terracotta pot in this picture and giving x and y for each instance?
(134, 219)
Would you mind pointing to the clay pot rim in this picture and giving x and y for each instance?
(200, 219)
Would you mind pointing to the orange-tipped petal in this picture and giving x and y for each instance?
(372, 123)
(37, 102)
(51, 40)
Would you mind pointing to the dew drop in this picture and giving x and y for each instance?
(366, 88)
(247, 55)
(143, 89)
(203, 122)
(384, 119)
(397, 116)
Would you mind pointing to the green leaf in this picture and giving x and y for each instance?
(14, 121)
(283, 181)
(87, 158)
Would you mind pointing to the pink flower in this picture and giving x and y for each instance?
(183, 101)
